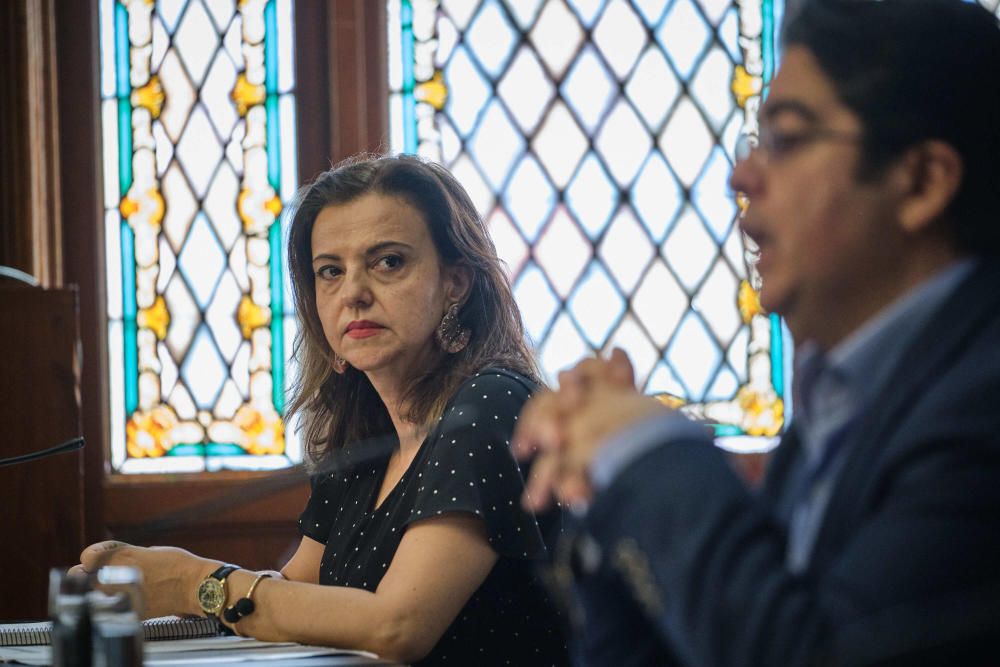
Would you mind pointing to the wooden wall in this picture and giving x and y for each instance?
(41, 501)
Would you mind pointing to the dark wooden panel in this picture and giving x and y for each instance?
(359, 77)
(83, 229)
(312, 98)
(41, 502)
(246, 518)
(342, 82)
(255, 546)
(30, 218)
(15, 235)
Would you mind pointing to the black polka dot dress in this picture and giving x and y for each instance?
(465, 465)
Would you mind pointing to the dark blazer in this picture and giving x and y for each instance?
(906, 566)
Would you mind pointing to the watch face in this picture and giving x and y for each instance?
(211, 596)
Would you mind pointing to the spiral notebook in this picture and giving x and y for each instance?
(163, 627)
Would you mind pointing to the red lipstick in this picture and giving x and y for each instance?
(363, 329)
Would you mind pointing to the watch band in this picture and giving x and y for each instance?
(224, 571)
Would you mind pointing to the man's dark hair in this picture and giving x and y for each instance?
(915, 70)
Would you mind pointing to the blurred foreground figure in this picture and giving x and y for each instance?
(874, 199)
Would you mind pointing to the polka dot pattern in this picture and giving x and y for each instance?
(464, 466)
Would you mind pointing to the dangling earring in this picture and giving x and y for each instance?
(340, 364)
(450, 334)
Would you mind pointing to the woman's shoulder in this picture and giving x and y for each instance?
(502, 381)
(466, 464)
(487, 402)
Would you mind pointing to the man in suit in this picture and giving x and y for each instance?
(874, 190)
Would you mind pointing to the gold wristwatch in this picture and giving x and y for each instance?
(212, 590)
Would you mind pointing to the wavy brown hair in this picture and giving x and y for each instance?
(340, 409)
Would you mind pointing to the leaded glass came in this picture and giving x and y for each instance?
(596, 138)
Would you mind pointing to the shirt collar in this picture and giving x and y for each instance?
(869, 353)
(855, 370)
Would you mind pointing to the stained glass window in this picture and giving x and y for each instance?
(199, 156)
(596, 138)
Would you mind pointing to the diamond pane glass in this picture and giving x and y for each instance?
(491, 38)
(657, 196)
(653, 88)
(596, 287)
(589, 89)
(537, 301)
(556, 36)
(623, 142)
(560, 144)
(529, 198)
(524, 11)
(202, 262)
(683, 35)
(465, 105)
(496, 145)
(563, 252)
(199, 154)
(650, 10)
(587, 10)
(626, 250)
(620, 36)
(526, 90)
(592, 196)
(596, 139)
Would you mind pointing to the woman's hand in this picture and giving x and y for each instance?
(170, 575)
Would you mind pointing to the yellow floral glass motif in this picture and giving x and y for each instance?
(247, 95)
(262, 433)
(434, 91)
(150, 97)
(149, 434)
(156, 318)
(251, 316)
(749, 302)
(745, 85)
(763, 412)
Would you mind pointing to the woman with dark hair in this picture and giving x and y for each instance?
(412, 370)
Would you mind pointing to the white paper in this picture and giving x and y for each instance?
(233, 649)
(211, 650)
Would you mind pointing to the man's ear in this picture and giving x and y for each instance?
(458, 282)
(933, 172)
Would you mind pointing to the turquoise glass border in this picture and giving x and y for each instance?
(409, 84)
(123, 90)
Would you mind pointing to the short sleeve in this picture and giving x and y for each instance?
(471, 469)
(318, 516)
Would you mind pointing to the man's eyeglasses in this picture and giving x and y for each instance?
(773, 145)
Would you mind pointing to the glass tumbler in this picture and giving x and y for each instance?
(116, 607)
